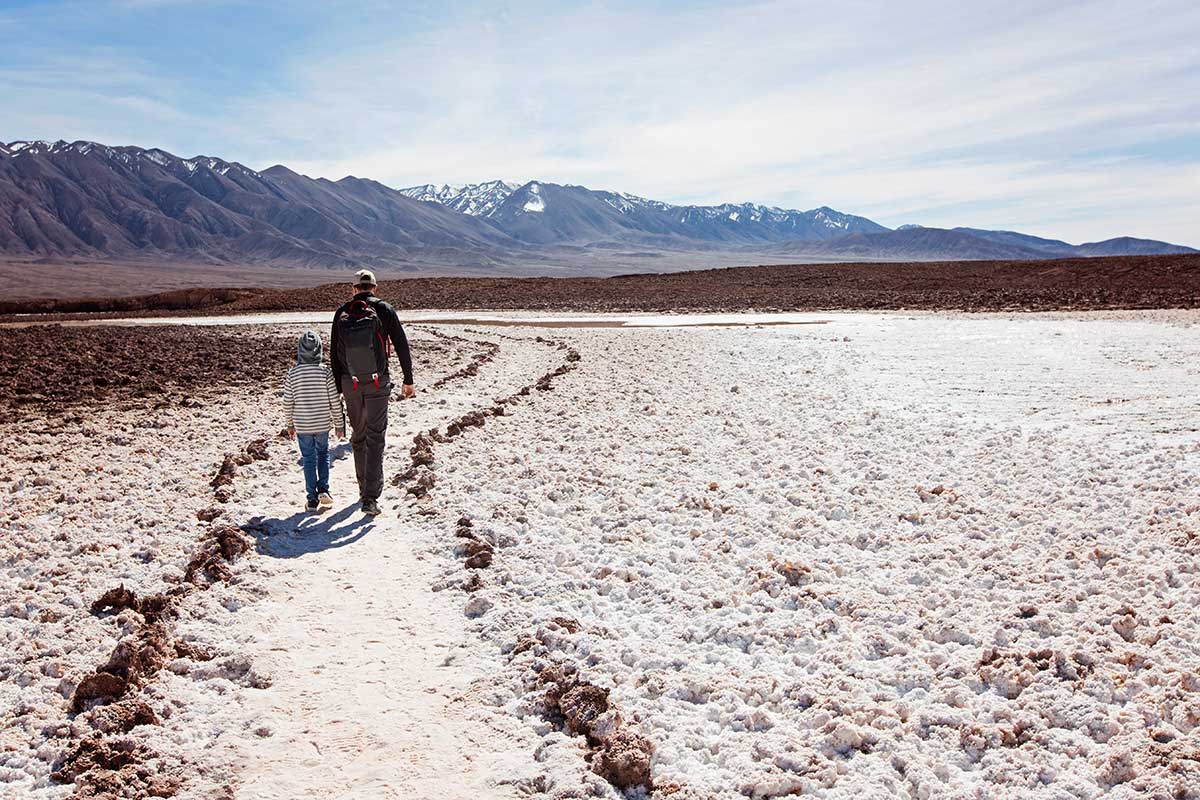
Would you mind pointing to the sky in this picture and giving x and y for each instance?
(1077, 120)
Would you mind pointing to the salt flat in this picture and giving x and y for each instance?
(932, 557)
(924, 556)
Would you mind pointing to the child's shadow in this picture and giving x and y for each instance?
(309, 533)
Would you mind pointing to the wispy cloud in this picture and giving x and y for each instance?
(1077, 120)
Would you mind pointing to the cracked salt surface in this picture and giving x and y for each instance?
(923, 557)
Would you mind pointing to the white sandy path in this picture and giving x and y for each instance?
(369, 667)
(362, 703)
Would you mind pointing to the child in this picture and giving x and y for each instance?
(313, 407)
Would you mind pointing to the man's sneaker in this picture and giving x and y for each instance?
(325, 499)
(371, 508)
(312, 505)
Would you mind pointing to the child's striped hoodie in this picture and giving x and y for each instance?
(310, 400)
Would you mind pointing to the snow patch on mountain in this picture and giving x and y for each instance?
(474, 199)
(745, 213)
(31, 147)
(128, 156)
(43, 147)
(429, 192)
(625, 203)
(216, 165)
(830, 218)
(535, 203)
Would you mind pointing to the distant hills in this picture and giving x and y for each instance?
(92, 202)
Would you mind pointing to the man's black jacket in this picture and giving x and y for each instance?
(391, 329)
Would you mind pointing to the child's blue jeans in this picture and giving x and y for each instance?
(314, 449)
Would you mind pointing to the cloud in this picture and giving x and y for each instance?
(901, 111)
(1069, 120)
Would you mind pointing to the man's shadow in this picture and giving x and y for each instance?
(304, 533)
(339, 450)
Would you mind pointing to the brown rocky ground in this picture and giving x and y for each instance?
(1078, 284)
(52, 370)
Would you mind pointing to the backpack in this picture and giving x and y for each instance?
(361, 344)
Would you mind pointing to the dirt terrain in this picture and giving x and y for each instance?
(52, 370)
(1063, 284)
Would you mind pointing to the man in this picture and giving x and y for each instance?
(364, 331)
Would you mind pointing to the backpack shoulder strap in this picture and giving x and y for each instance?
(357, 307)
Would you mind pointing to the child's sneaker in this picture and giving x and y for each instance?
(312, 505)
(325, 499)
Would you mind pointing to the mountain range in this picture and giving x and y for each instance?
(548, 213)
(92, 202)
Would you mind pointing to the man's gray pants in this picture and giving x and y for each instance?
(367, 408)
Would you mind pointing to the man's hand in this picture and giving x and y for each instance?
(291, 433)
(341, 435)
(407, 391)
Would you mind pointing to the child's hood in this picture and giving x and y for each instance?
(308, 349)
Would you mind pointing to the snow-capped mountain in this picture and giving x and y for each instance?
(125, 155)
(568, 213)
(729, 222)
(475, 199)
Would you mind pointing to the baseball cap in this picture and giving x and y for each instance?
(365, 276)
